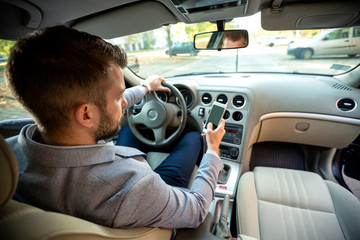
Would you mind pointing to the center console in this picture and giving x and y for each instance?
(231, 151)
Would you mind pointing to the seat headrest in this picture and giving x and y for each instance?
(8, 172)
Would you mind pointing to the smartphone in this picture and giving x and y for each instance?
(216, 113)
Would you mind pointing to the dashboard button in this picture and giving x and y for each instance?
(201, 112)
(234, 152)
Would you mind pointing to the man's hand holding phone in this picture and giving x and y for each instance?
(213, 137)
(216, 114)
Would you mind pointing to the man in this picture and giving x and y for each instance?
(72, 83)
(234, 39)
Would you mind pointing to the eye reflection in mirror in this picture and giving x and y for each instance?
(228, 39)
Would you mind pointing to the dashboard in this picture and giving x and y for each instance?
(309, 110)
(304, 109)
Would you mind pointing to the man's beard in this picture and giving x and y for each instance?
(107, 128)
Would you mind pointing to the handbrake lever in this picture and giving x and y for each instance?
(222, 229)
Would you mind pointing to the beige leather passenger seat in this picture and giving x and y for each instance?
(22, 221)
(275, 203)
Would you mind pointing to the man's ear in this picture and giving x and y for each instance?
(85, 115)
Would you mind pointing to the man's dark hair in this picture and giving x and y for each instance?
(234, 35)
(55, 70)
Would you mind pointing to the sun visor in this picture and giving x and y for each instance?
(134, 18)
(208, 10)
(311, 15)
(20, 16)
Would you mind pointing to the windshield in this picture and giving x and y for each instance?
(317, 51)
(168, 51)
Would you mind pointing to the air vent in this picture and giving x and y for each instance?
(341, 87)
(222, 98)
(206, 98)
(238, 101)
(346, 104)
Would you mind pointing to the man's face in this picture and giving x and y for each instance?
(110, 118)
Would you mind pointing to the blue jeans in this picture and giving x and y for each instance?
(177, 168)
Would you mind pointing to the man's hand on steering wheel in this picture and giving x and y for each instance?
(158, 115)
(153, 83)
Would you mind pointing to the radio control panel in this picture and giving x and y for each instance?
(233, 133)
(229, 152)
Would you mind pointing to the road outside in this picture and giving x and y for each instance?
(255, 58)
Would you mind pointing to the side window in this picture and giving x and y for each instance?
(356, 32)
(344, 33)
(9, 108)
(333, 35)
(338, 34)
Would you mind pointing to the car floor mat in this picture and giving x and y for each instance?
(280, 155)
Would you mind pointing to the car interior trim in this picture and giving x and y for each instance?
(230, 187)
(316, 132)
(310, 116)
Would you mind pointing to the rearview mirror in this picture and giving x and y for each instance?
(228, 39)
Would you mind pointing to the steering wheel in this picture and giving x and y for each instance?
(157, 116)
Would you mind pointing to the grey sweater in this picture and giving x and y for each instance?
(111, 185)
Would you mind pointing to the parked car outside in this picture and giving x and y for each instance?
(183, 48)
(272, 41)
(345, 41)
